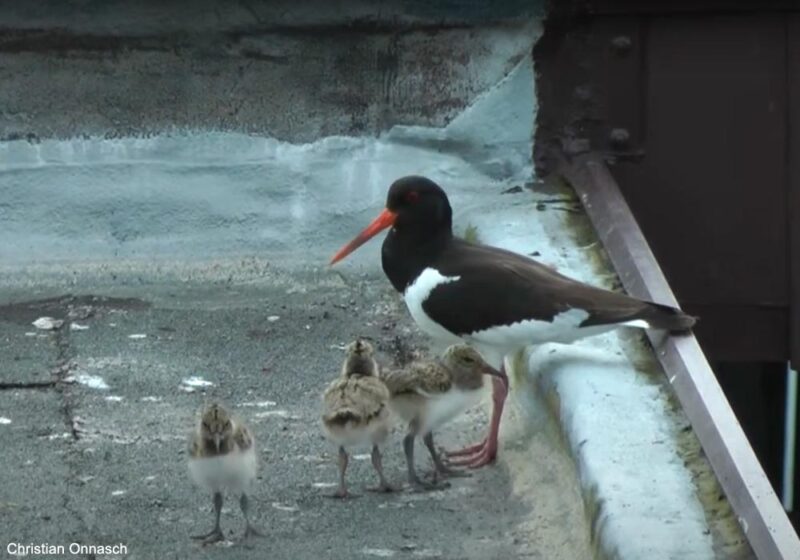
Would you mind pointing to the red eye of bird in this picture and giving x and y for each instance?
(412, 196)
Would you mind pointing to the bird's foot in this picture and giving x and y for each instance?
(251, 533)
(210, 538)
(485, 455)
(417, 485)
(342, 494)
(446, 472)
(384, 488)
(469, 450)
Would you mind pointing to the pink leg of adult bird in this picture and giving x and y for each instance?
(485, 452)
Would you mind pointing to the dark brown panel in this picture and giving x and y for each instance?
(793, 68)
(687, 6)
(710, 192)
(591, 97)
(742, 333)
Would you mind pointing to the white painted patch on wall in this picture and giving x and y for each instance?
(418, 292)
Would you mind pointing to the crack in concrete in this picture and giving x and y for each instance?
(64, 366)
(35, 385)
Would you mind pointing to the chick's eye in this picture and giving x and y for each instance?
(412, 197)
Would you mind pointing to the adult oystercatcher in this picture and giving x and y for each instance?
(493, 299)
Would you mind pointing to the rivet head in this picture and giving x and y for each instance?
(621, 43)
(619, 137)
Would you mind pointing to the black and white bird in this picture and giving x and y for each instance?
(497, 301)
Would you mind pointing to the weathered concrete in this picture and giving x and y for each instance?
(295, 71)
(105, 466)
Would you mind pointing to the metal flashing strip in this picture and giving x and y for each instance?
(746, 486)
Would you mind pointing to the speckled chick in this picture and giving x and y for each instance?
(428, 394)
(222, 457)
(355, 411)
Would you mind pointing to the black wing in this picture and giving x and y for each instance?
(498, 287)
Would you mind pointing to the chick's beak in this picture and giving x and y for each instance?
(489, 370)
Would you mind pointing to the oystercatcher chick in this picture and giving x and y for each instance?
(428, 394)
(355, 411)
(222, 457)
(495, 300)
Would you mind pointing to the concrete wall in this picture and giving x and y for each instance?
(291, 70)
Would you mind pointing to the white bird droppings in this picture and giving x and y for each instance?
(324, 484)
(151, 399)
(189, 384)
(114, 398)
(91, 381)
(273, 318)
(78, 327)
(380, 552)
(47, 323)
(280, 507)
(137, 336)
(119, 492)
(4, 420)
(278, 413)
(259, 404)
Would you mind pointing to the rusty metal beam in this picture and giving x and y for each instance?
(759, 511)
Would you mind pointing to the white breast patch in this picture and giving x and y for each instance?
(418, 292)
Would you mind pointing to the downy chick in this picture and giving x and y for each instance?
(222, 457)
(428, 394)
(355, 410)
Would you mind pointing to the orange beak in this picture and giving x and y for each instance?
(384, 220)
